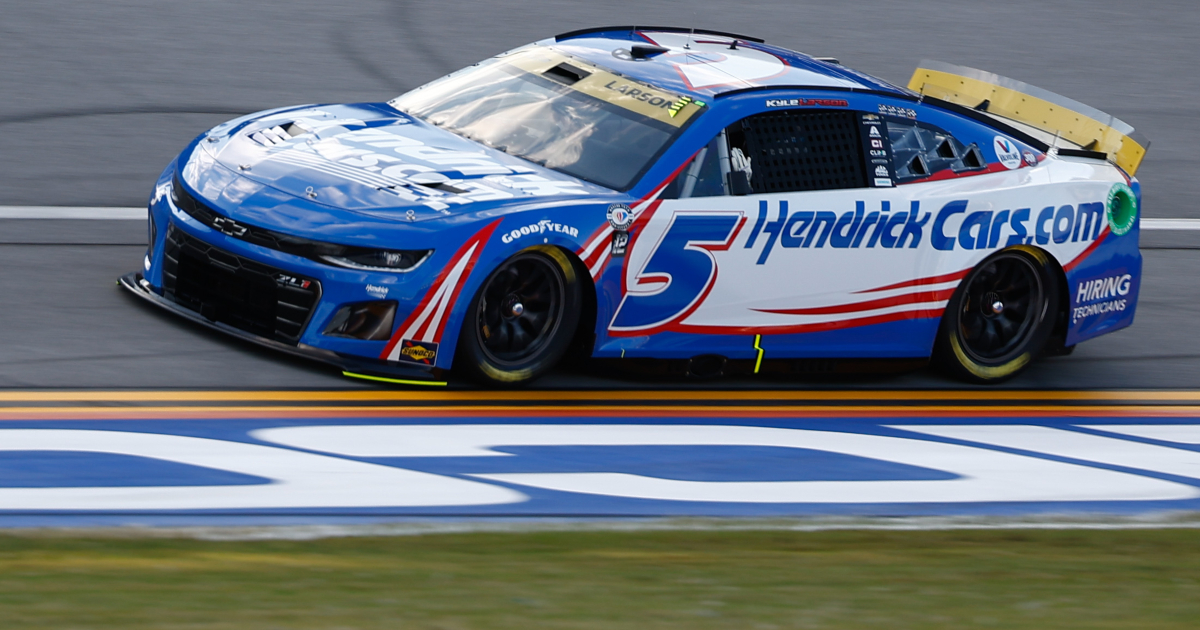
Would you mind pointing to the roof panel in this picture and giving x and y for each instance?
(708, 63)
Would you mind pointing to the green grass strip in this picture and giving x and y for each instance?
(1141, 579)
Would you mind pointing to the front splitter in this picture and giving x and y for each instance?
(355, 367)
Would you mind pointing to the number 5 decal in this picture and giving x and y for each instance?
(678, 273)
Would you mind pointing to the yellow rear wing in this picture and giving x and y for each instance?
(1083, 126)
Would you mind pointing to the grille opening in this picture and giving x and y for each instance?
(236, 291)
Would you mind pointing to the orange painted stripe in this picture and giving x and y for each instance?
(608, 412)
(626, 396)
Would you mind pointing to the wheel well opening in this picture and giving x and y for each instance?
(1058, 337)
(585, 335)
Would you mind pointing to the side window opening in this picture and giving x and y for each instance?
(788, 151)
(920, 150)
(705, 175)
(792, 151)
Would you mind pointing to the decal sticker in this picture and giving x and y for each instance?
(377, 291)
(670, 285)
(1030, 158)
(423, 352)
(620, 240)
(874, 132)
(541, 227)
(405, 167)
(622, 91)
(899, 112)
(805, 228)
(807, 102)
(1102, 295)
(1007, 152)
(1120, 209)
(673, 110)
(620, 218)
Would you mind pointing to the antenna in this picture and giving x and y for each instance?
(692, 32)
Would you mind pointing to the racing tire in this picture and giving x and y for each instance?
(1000, 318)
(522, 319)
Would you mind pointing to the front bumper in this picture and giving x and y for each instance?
(350, 366)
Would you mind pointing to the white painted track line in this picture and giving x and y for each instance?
(139, 214)
(71, 212)
(1171, 224)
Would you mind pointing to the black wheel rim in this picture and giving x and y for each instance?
(520, 309)
(1001, 308)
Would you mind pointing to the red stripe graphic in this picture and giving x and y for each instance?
(1087, 252)
(478, 240)
(871, 305)
(920, 282)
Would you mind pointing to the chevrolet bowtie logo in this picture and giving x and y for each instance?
(228, 226)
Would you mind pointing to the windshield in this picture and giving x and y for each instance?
(557, 111)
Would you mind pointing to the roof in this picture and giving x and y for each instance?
(709, 63)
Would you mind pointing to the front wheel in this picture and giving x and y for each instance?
(1000, 318)
(522, 319)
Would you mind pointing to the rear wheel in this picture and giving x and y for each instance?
(522, 319)
(1000, 318)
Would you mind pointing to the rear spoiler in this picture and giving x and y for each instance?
(1057, 116)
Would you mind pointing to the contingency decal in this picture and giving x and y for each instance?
(428, 321)
(1007, 152)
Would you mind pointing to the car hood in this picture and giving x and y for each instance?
(367, 160)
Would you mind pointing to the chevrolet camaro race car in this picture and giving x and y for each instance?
(697, 198)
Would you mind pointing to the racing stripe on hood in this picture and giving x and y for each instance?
(427, 322)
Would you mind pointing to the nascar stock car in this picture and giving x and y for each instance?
(692, 197)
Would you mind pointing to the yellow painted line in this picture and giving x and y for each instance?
(59, 396)
(398, 381)
(609, 410)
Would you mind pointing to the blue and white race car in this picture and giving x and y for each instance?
(697, 198)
